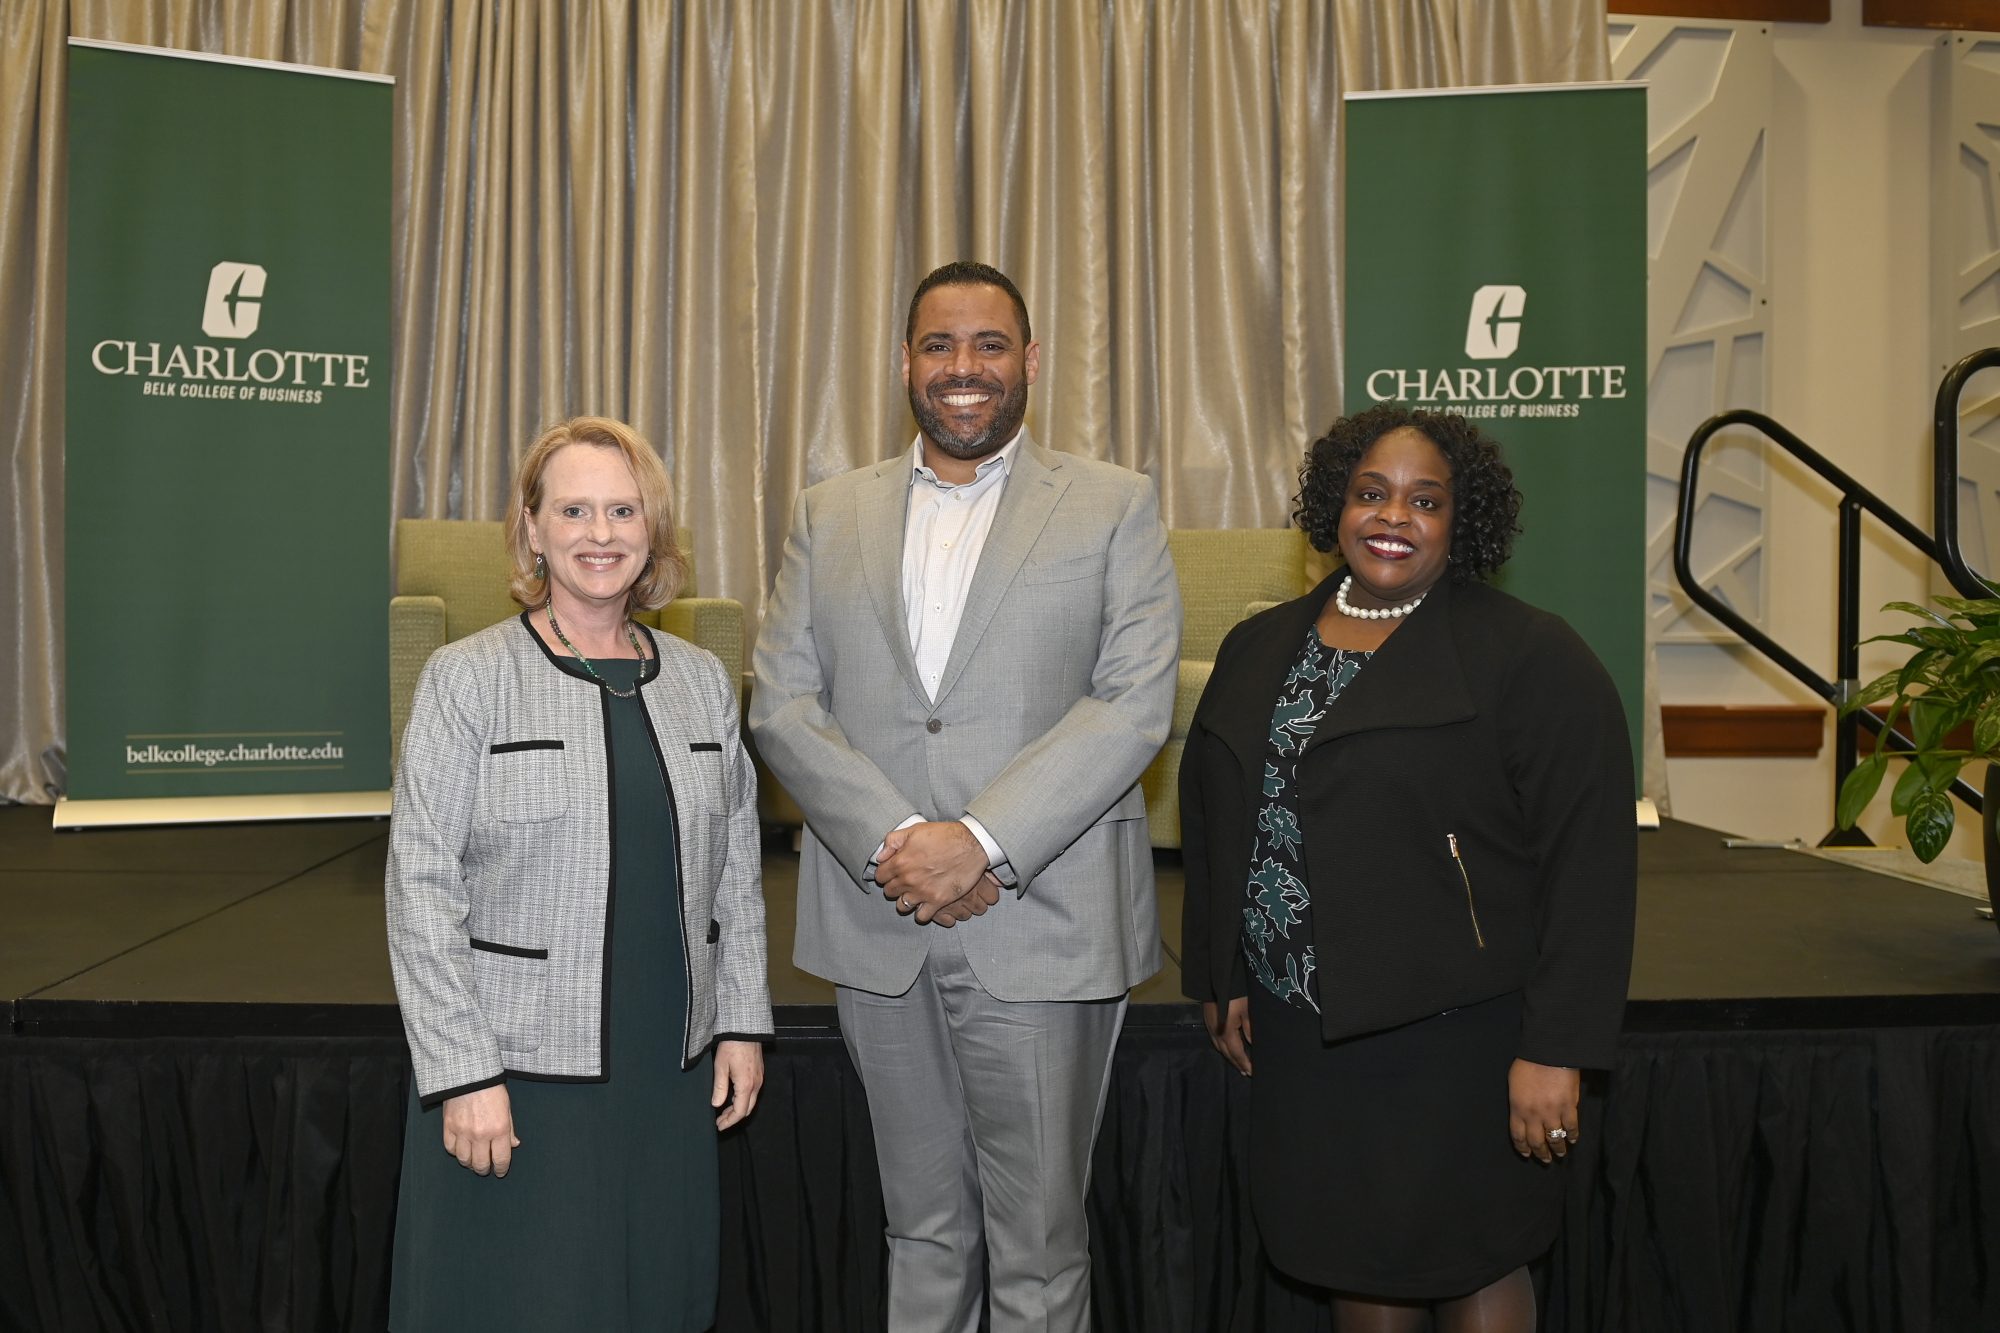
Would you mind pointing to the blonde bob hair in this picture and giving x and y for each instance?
(663, 576)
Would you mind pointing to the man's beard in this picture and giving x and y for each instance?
(1006, 422)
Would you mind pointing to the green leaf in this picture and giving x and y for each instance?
(1969, 661)
(1910, 637)
(1930, 718)
(1908, 787)
(1885, 741)
(1984, 611)
(1986, 728)
(1929, 825)
(1860, 788)
(1875, 690)
(1914, 668)
(1897, 707)
(1911, 608)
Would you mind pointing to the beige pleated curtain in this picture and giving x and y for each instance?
(706, 217)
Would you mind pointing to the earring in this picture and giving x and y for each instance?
(541, 569)
(649, 566)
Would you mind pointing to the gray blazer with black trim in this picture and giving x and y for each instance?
(499, 878)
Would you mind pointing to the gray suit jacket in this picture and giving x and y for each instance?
(1057, 694)
(499, 879)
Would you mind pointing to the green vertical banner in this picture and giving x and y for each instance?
(227, 444)
(1496, 267)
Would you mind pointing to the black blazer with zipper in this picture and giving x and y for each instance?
(1467, 809)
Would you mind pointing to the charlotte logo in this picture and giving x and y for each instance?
(235, 299)
(236, 370)
(1492, 330)
(1493, 333)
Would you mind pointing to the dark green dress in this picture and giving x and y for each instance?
(609, 1217)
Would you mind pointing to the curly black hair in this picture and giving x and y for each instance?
(967, 273)
(1485, 506)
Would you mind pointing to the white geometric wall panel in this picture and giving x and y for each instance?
(1708, 320)
(1965, 272)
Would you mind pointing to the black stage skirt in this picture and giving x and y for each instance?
(1381, 1165)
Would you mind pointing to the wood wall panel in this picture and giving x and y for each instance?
(1741, 11)
(1951, 15)
(1736, 731)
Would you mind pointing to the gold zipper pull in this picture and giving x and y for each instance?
(1471, 907)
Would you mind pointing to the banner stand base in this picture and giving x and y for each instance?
(129, 813)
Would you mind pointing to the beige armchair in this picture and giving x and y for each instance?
(1222, 572)
(451, 579)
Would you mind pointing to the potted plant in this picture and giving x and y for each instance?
(1951, 679)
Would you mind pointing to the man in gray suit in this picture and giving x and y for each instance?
(967, 662)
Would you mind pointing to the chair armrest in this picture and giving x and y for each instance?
(714, 623)
(1192, 681)
(416, 630)
(1162, 779)
(775, 805)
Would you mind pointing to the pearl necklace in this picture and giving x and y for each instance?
(1340, 604)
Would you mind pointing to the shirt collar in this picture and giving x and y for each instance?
(1002, 462)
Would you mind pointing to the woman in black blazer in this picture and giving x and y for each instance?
(1407, 825)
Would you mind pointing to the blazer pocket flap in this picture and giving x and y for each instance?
(513, 992)
(511, 950)
(1088, 565)
(526, 782)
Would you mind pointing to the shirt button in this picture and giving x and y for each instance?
(933, 726)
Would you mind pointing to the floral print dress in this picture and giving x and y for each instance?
(1277, 917)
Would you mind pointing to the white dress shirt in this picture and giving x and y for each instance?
(944, 530)
(943, 533)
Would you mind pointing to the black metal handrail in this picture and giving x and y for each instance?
(1854, 500)
(1944, 472)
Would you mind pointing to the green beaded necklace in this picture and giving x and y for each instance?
(630, 633)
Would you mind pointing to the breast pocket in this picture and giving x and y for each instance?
(1065, 570)
(526, 782)
(701, 783)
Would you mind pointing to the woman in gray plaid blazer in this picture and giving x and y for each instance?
(575, 920)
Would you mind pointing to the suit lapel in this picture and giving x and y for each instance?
(881, 510)
(1034, 485)
(1241, 715)
(1413, 680)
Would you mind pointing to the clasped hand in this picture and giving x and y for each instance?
(937, 872)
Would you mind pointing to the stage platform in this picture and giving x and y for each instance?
(201, 1102)
(277, 928)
